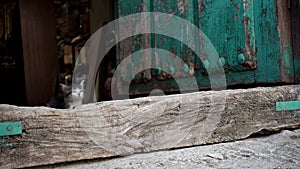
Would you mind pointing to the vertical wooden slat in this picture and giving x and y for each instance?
(131, 45)
(284, 30)
(295, 20)
(39, 49)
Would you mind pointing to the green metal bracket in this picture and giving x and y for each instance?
(291, 105)
(10, 128)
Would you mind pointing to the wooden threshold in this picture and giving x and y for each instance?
(119, 128)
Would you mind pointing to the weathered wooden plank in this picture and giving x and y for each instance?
(142, 125)
(285, 34)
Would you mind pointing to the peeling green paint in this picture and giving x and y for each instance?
(288, 60)
(249, 17)
(4, 144)
(267, 42)
(230, 27)
(234, 27)
(295, 115)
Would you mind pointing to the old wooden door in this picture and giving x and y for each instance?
(252, 38)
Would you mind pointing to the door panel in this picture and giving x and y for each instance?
(135, 43)
(252, 38)
(230, 27)
(186, 10)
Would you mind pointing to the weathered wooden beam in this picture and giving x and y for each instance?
(141, 125)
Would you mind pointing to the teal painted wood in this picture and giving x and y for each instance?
(4, 144)
(225, 24)
(10, 128)
(135, 43)
(267, 41)
(274, 64)
(284, 106)
(246, 33)
(186, 10)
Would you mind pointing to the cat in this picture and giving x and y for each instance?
(61, 98)
(77, 95)
(67, 98)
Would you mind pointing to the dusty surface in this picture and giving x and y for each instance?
(143, 125)
(276, 151)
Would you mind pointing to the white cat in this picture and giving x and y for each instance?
(77, 95)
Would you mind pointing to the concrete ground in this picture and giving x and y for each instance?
(276, 151)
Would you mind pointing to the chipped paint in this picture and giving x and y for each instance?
(249, 27)
(235, 5)
(257, 30)
(180, 5)
(283, 28)
(287, 58)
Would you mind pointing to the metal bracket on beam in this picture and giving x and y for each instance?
(290, 105)
(10, 128)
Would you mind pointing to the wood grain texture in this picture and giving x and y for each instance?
(118, 128)
(261, 31)
(38, 30)
(285, 34)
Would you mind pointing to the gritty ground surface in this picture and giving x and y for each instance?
(276, 151)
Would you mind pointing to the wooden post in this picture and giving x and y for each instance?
(38, 29)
